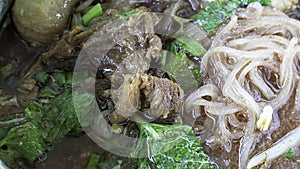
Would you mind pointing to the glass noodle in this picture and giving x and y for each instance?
(251, 70)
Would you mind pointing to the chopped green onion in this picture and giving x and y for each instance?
(290, 154)
(91, 14)
(190, 45)
(128, 14)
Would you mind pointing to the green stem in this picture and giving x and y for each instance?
(91, 14)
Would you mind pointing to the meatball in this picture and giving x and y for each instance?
(40, 21)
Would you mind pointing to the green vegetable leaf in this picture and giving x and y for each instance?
(45, 121)
(190, 45)
(8, 156)
(34, 110)
(60, 78)
(60, 116)
(49, 92)
(57, 118)
(3, 132)
(263, 2)
(42, 77)
(93, 162)
(86, 106)
(175, 147)
(6, 71)
(217, 12)
(24, 141)
(177, 67)
(214, 14)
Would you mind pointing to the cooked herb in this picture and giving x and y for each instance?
(176, 146)
(217, 12)
(263, 2)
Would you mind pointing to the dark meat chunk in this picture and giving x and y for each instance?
(155, 97)
(126, 45)
(65, 47)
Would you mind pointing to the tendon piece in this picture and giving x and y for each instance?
(154, 97)
(65, 49)
(129, 101)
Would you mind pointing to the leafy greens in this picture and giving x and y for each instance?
(174, 146)
(46, 120)
(217, 12)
